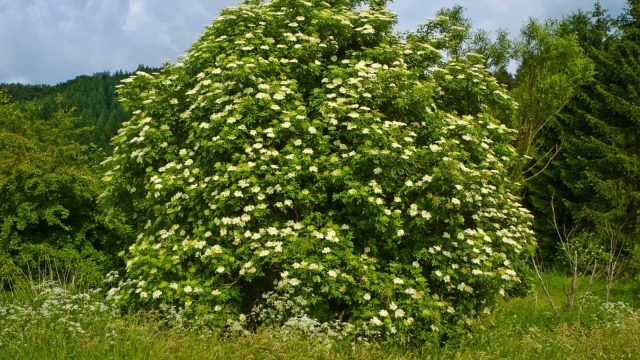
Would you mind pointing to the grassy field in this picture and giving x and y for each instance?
(50, 323)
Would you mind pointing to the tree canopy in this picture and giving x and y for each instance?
(48, 193)
(304, 164)
(594, 180)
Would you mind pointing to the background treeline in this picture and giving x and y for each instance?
(576, 79)
(52, 139)
(581, 115)
(91, 99)
(577, 84)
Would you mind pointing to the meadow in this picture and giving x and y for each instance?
(54, 322)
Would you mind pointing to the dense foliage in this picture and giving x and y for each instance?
(48, 196)
(304, 163)
(92, 99)
(594, 179)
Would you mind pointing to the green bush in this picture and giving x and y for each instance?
(302, 161)
(49, 214)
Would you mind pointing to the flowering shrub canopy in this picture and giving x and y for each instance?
(302, 161)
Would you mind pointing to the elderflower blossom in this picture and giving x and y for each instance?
(232, 171)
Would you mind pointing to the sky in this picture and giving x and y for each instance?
(51, 41)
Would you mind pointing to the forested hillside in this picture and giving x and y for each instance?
(92, 99)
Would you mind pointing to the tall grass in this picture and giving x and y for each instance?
(54, 322)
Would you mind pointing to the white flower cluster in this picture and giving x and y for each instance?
(272, 162)
(52, 307)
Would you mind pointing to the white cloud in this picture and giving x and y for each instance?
(136, 16)
(38, 10)
(495, 14)
(49, 41)
(20, 80)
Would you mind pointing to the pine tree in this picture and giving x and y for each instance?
(595, 181)
(91, 98)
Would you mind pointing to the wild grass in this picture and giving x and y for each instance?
(71, 323)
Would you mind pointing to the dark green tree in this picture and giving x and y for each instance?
(48, 198)
(92, 99)
(594, 181)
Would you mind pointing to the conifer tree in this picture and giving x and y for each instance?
(595, 181)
